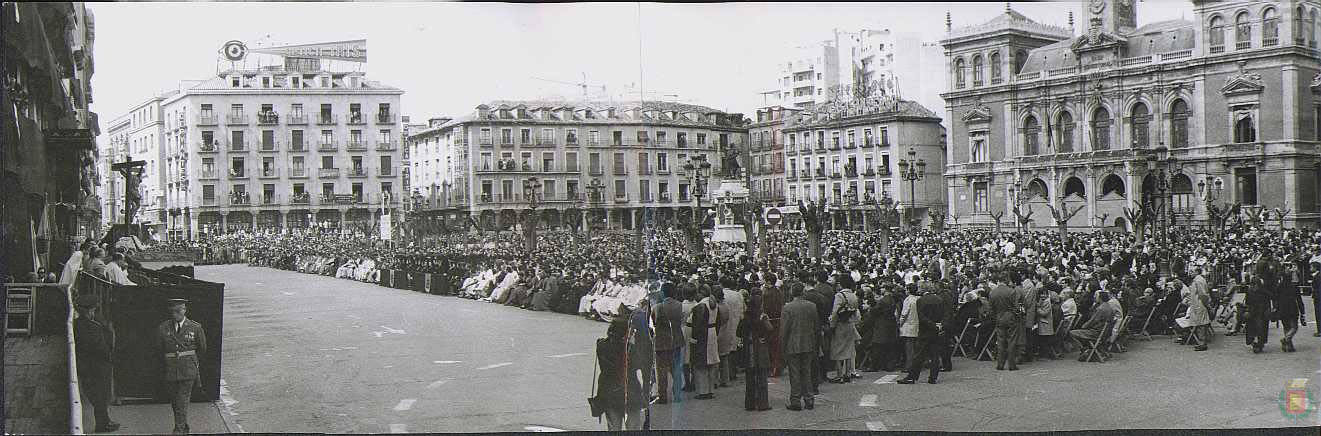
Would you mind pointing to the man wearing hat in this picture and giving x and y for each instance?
(95, 343)
(181, 340)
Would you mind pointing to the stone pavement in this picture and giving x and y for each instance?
(159, 418)
(36, 384)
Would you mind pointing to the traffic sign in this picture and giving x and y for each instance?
(774, 217)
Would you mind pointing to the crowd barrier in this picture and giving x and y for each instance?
(44, 310)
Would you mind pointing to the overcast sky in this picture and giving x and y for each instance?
(450, 57)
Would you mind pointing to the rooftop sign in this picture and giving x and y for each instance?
(354, 51)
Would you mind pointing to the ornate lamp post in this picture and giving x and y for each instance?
(531, 191)
(912, 170)
(1158, 163)
(1016, 193)
(593, 197)
(851, 203)
(698, 170)
(1210, 192)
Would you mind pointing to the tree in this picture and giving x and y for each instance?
(813, 214)
(1023, 219)
(937, 215)
(1138, 217)
(886, 215)
(1279, 216)
(1062, 216)
(997, 216)
(1102, 218)
(1255, 216)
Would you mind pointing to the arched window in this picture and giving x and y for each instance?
(995, 67)
(1217, 32)
(1112, 184)
(1064, 141)
(1179, 124)
(1242, 31)
(1031, 142)
(1101, 129)
(1020, 58)
(958, 73)
(1141, 121)
(1037, 188)
(1074, 186)
(1270, 28)
(977, 71)
(1298, 31)
(1182, 189)
(1311, 30)
(1244, 130)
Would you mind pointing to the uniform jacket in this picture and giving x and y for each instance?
(95, 343)
(669, 325)
(188, 338)
(798, 323)
(1003, 300)
(930, 311)
(1102, 314)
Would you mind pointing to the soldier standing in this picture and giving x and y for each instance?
(96, 345)
(181, 340)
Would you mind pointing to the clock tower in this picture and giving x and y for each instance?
(1117, 16)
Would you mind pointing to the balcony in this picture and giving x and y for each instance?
(791, 150)
(270, 173)
(1217, 49)
(1242, 45)
(621, 171)
(357, 173)
(791, 176)
(268, 119)
(834, 146)
(545, 142)
(355, 119)
(386, 146)
(661, 143)
(869, 173)
(851, 145)
(621, 198)
(507, 144)
(237, 173)
(644, 171)
(385, 118)
(386, 172)
(238, 147)
(207, 120)
(236, 119)
(300, 198)
(328, 173)
(297, 173)
(646, 198)
(820, 175)
(269, 199)
(850, 173)
(269, 147)
(595, 171)
(356, 146)
(834, 174)
(327, 119)
(208, 146)
(297, 147)
(1270, 42)
(240, 199)
(682, 143)
(571, 141)
(327, 146)
(208, 201)
(868, 143)
(883, 172)
(209, 175)
(296, 120)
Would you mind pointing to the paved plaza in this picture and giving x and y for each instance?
(317, 354)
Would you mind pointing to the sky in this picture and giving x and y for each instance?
(450, 57)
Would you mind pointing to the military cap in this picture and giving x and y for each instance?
(175, 302)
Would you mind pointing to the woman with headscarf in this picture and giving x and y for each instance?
(844, 320)
(618, 391)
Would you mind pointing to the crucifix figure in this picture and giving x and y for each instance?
(132, 172)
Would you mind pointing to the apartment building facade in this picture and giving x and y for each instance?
(281, 147)
(613, 163)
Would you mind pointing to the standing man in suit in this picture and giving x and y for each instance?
(705, 352)
(1008, 323)
(668, 318)
(773, 302)
(822, 297)
(927, 348)
(96, 343)
(181, 340)
(798, 340)
(1261, 293)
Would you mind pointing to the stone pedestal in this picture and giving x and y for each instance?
(730, 193)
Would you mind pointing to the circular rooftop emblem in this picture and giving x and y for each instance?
(234, 50)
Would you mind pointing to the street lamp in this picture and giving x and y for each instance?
(593, 196)
(697, 169)
(1210, 192)
(850, 202)
(532, 191)
(1016, 193)
(912, 170)
(1159, 162)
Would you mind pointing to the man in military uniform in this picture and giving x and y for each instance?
(96, 343)
(181, 340)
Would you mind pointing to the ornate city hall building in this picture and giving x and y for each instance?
(1179, 114)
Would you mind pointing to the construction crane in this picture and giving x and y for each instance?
(584, 85)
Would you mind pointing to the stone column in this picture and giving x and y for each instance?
(1290, 99)
(1133, 187)
(224, 222)
(284, 221)
(1092, 194)
(609, 218)
(190, 223)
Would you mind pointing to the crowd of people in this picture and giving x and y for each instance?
(1008, 297)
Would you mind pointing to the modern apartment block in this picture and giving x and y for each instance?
(806, 76)
(618, 161)
(766, 141)
(139, 135)
(278, 147)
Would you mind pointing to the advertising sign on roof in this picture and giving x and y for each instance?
(355, 50)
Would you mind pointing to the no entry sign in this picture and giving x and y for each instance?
(774, 217)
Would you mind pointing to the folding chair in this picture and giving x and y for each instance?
(1066, 325)
(1121, 335)
(1095, 348)
(987, 350)
(958, 340)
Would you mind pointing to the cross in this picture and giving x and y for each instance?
(132, 172)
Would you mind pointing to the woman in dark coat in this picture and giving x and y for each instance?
(755, 329)
(619, 402)
(885, 333)
(1286, 307)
